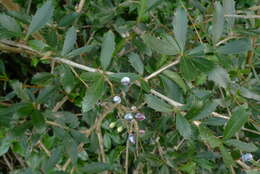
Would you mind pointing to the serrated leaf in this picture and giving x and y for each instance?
(235, 47)
(180, 23)
(183, 126)
(163, 46)
(218, 22)
(41, 17)
(157, 104)
(37, 119)
(207, 109)
(227, 158)
(186, 66)
(208, 137)
(46, 93)
(93, 94)
(53, 160)
(67, 78)
(68, 19)
(70, 40)
(136, 62)
(20, 91)
(202, 64)
(176, 78)
(238, 119)
(96, 167)
(249, 94)
(247, 147)
(107, 49)
(72, 150)
(220, 77)
(229, 9)
(81, 50)
(42, 78)
(9, 24)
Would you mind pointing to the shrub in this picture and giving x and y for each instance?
(114, 86)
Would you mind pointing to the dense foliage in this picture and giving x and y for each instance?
(124, 86)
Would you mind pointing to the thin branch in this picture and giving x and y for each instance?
(80, 6)
(244, 16)
(162, 69)
(90, 69)
(8, 163)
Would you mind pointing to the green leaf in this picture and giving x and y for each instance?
(53, 160)
(42, 78)
(247, 147)
(107, 141)
(208, 137)
(229, 9)
(107, 49)
(218, 22)
(5, 144)
(93, 94)
(166, 45)
(68, 19)
(46, 93)
(207, 109)
(220, 77)
(70, 40)
(81, 50)
(136, 62)
(37, 119)
(183, 126)
(20, 91)
(72, 150)
(235, 47)
(202, 64)
(176, 78)
(157, 104)
(238, 119)
(67, 78)
(249, 94)
(96, 167)
(186, 65)
(41, 17)
(164, 170)
(180, 23)
(9, 24)
(228, 160)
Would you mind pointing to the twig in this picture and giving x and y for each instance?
(8, 163)
(162, 69)
(243, 165)
(56, 124)
(80, 6)
(59, 104)
(90, 69)
(226, 39)
(243, 16)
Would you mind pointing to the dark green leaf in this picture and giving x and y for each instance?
(68, 19)
(229, 9)
(164, 46)
(53, 160)
(96, 167)
(228, 160)
(249, 94)
(42, 78)
(207, 109)
(20, 91)
(72, 150)
(176, 78)
(183, 126)
(235, 47)
(157, 104)
(220, 76)
(67, 78)
(81, 50)
(247, 147)
(180, 23)
(46, 93)
(218, 22)
(93, 94)
(238, 119)
(107, 49)
(5, 144)
(69, 42)
(136, 62)
(41, 17)
(208, 137)
(186, 65)
(9, 24)
(37, 119)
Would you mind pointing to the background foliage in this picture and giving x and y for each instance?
(194, 70)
